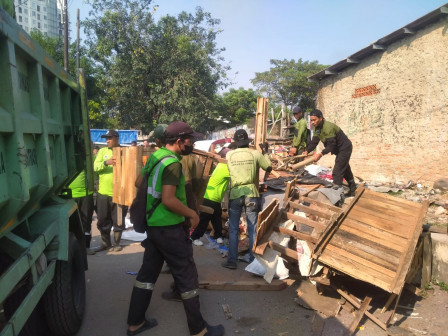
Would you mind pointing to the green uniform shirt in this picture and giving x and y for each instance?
(78, 186)
(166, 169)
(218, 183)
(244, 164)
(105, 173)
(300, 133)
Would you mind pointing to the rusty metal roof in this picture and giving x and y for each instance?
(382, 44)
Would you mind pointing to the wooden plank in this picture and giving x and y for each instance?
(360, 313)
(350, 298)
(305, 221)
(401, 202)
(381, 205)
(369, 232)
(275, 285)
(407, 257)
(358, 270)
(264, 227)
(369, 250)
(320, 204)
(295, 234)
(321, 213)
(284, 250)
(383, 224)
(390, 215)
(367, 265)
(117, 171)
(374, 207)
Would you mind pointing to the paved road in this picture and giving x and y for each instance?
(254, 313)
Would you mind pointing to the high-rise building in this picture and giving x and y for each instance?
(43, 15)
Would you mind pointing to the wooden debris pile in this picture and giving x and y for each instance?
(373, 239)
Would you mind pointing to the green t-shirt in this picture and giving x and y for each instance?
(105, 173)
(299, 140)
(78, 186)
(218, 183)
(244, 164)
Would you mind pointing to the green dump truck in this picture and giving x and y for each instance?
(44, 144)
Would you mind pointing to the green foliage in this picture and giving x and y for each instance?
(442, 285)
(154, 72)
(286, 82)
(238, 106)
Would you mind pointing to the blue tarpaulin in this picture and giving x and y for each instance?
(126, 136)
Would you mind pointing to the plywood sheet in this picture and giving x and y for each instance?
(376, 240)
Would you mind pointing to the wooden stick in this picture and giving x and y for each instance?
(302, 163)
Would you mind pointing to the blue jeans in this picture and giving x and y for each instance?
(236, 207)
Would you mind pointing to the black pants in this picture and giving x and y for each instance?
(106, 211)
(85, 206)
(204, 218)
(342, 168)
(173, 245)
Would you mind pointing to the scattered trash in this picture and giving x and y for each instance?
(227, 312)
(131, 273)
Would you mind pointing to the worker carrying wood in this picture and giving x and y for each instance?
(300, 133)
(335, 142)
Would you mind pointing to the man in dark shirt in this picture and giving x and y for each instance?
(335, 142)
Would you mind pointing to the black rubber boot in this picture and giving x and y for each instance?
(217, 330)
(117, 239)
(106, 244)
(140, 300)
(352, 189)
(196, 323)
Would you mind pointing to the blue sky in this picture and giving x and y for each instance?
(256, 31)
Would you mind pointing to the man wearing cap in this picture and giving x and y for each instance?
(335, 142)
(107, 211)
(300, 133)
(243, 164)
(168, 235)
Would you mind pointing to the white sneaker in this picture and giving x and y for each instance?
(198, 242)
(219, 240)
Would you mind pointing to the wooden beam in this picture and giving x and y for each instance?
(360, 313)
(275, 285)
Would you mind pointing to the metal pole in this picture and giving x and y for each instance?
(65, 36)
(77, 40)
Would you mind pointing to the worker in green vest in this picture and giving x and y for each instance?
(84, 199)
(168, 235)
(8, 6)
(106, 209)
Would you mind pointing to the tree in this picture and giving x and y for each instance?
(155, 72)
(286, 82)
(239, 105)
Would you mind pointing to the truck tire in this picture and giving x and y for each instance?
(36, 323)
(65, 298)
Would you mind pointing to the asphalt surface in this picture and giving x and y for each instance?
(109, 287)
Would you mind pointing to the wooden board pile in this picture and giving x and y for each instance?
(373, 240)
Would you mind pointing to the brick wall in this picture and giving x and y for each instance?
(394, 108)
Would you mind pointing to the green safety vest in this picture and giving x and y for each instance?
(78, 186)
(156, 213)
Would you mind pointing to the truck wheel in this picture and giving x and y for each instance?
(36, 324)
(65, 298)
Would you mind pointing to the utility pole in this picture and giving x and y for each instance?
(65, 36)
(77, 42)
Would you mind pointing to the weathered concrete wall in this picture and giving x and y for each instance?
(394, 107)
